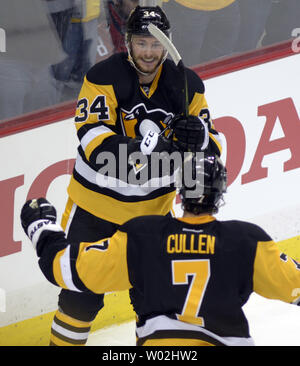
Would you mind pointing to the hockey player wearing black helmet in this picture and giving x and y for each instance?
(122, 109)
(210, 183)
(189, 278)
(145, 52)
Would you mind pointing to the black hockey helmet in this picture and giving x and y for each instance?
(142, 16)
(137, 24)
(210, 175)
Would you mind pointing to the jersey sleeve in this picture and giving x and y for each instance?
(99, 267)
(199, 107)
(95, 122)
(95, 116)
(276, 276)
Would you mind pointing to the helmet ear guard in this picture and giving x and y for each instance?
(206, 195)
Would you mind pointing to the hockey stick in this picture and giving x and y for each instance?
(169, 46)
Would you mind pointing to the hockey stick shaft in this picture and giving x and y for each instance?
(169, 46)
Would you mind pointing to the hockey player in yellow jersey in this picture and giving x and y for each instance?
(122, 100)
(189, 278)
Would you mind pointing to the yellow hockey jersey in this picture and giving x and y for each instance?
(112, 109)
(188, 278)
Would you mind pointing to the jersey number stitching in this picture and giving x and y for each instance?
(199, 270)
(98, 107)
(103, 246)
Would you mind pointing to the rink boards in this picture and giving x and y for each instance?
(256, 109)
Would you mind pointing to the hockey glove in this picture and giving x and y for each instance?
(153, 142)
(190, 134)
(38, 215)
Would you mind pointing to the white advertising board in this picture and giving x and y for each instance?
(34, 162)
(258, 110)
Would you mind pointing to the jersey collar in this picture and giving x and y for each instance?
(153, 84)
(197, 220)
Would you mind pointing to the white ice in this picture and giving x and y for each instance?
(271, 322)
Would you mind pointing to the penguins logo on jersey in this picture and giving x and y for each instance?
(139, 120)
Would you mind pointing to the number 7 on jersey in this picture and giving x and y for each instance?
(199, 270)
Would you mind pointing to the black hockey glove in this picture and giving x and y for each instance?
(37, 209)
(190, 134)
(37, 215)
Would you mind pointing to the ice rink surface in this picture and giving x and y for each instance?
(271, 322)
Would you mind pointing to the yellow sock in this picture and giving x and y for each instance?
(67, 331)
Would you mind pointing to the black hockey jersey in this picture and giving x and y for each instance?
(189, 277)
(113, 108)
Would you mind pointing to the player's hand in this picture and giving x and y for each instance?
(153, 142)
(190, 134)
(37, 209)
(38, 215)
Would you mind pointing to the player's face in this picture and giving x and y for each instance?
(147, 53)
